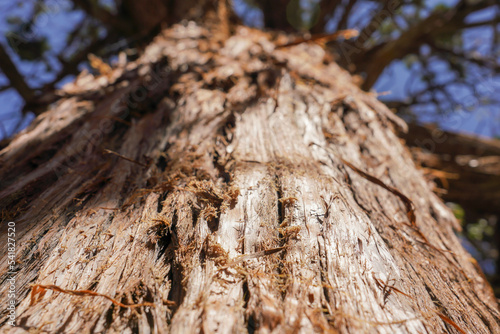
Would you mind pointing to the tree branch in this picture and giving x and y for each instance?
(93, 9)
(326, 10)
(490, 63)
(71, 66)
(388, 10)
(476, 187)
(15, 78)
(380, 56)
(275, 14)
(495, 21)
(345, 16)
(4, 88)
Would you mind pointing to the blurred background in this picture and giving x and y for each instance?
(434, 62)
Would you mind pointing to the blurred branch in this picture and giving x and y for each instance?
(37, 106)
(387, 11)
(375, 60)
(15, 78)
(113, 22)
(476, 161)
(275, 14)
(432, 89)
(484, 62)
(71, 66)
(397, 104)
(48, 95)
(494, 21)
(326, 10)
(4, 133)
(345, 16)
(70, 39)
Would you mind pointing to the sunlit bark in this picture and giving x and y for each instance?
(237, 188)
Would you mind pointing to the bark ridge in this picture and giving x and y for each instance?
(208, 179)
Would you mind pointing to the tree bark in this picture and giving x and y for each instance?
(236, 187)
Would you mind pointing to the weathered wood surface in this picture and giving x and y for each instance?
(238, 149)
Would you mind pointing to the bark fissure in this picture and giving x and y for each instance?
(236, 217)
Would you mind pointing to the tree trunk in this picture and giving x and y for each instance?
(231, 187)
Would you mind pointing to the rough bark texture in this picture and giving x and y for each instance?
(213, 180)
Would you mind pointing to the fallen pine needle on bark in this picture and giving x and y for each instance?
(450, 322)
(323, 38)
(124, 157)
(266, 252)
(39, 290)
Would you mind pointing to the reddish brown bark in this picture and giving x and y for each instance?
(237, 187)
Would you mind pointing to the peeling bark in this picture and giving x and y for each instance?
(226, 202)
